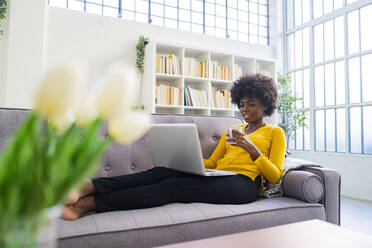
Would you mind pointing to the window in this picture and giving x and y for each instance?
(329, 56)
(243, 20)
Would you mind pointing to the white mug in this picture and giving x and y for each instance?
(229, 134)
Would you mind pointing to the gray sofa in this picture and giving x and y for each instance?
(309, 193)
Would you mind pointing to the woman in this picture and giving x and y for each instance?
(257, 150)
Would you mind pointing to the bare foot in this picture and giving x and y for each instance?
(72, 212)
(72, 198)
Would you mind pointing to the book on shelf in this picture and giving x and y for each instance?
(195, 97)
(168, 64)
(221, 98)
(238, 71)
(168, 95)
(221, 72)
(196, 68)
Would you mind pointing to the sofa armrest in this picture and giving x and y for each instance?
(303, 185)
(332, 185)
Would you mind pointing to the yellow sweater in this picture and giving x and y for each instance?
(270, 140)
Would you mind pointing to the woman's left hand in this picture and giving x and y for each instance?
(245, 143)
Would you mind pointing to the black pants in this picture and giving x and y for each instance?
(160, 186)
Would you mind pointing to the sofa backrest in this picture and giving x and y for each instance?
(126, 159)
(136, 157)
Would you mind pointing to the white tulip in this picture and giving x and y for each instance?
(128, 127)
(62, 121)
(87, 111)
(59, 91)
(118, 95)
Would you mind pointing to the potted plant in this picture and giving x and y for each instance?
(3, 8)
(290, 118)
(58, 146)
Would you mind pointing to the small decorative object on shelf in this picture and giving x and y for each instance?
(140, 52)
(58, 146)
(3, 8)
(290, 118)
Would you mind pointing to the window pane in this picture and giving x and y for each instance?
(367, 124)
(243, 37)
(306, 79)
(319, 85)
(185, 15)
(112, 3)
(129, 15)
(330, 130)
(328, 39)
(157, 9)
(196, 5)
(355, 130)
(242, 5)
(94, 8)
(298, 13)
(365, 27)
(220, 10)
(290, 14)
(171, 3)
(299, 139)
(141, 17)
(220, 22)
(233, 35)
(128, 5)
(339, 37)
(185, 26)
(232, 3)
(317, 8)
(350, 1)
(329, 84)
(340, 129)
(243, 27)
(298, 83)
(327, 6)
(305, 10)
(75, 5)
(220, 32)
(233, 25)
(318, 43)
(142, 6)
(340, 82)
(210, 30)
(307, 133)
(171, 12)
(338, 4)
(290, 51)
(185, 4)
(354, 80)
(253, 18)
(298, 47)
(197, 17)
(253, 29)
(196, 28)
(232, 13)
(319, 130)
(367, 77)
(291, 142)
(353, 32)
(57, 3)
(306, 48)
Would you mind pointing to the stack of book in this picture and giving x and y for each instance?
(196, 68)
(221, 98)
(195, 97)
(168, 64)
(238, 71)
(168, 95)
(221, 72)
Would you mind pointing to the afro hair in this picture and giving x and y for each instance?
(256, 86)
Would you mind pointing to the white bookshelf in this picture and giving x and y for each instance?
(152, 78)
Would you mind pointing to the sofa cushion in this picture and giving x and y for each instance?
(196, 220)
(303, 185)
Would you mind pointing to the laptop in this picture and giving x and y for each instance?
(177, 146)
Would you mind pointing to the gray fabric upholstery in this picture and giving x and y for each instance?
(303, 185)
(182, 222)
(164, 225)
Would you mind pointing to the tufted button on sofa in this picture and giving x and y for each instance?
(308, 194)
